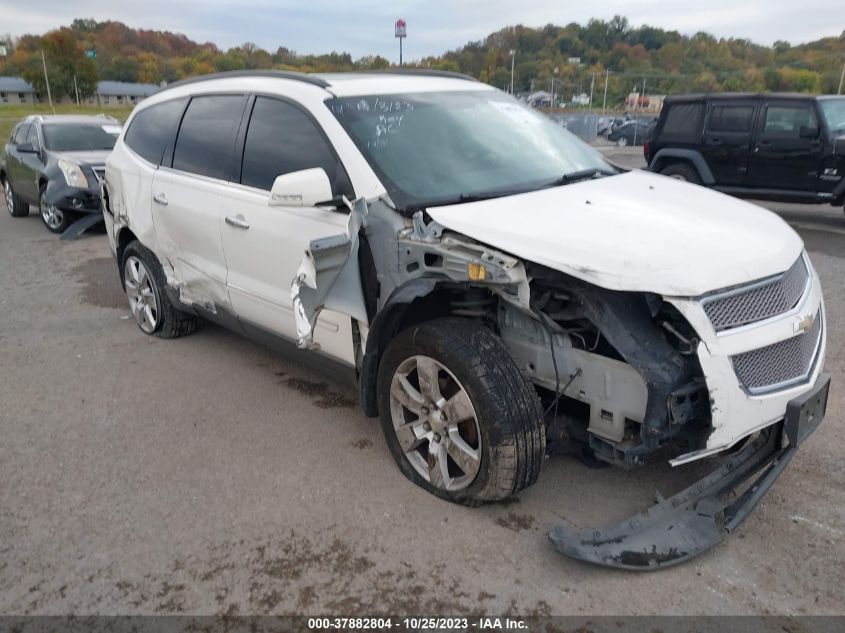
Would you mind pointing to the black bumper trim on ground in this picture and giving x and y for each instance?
(693, 521)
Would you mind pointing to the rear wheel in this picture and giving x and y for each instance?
(459, 417)
(14, 204)
(144, 281)
(622, 141)
(53, 217)
(682, 171)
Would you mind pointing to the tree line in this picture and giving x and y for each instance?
(578, 57)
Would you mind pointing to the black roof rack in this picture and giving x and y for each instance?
(278, 74)
(315, 80)
(422, 72)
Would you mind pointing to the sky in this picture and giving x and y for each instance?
(364, 27)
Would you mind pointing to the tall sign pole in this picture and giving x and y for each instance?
(400, 33)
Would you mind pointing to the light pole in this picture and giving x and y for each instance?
(554, 77)
(604, 103)
(513, 58)
(841, 80)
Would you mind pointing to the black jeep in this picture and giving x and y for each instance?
(764, 146)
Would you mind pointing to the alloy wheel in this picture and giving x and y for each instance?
(53, 216)
(435, 423)
(10, 197)
(140, 288)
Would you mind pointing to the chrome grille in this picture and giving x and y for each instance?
(780, 364)
(758, 301)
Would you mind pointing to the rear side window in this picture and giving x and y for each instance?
(731, 118)
(282, 139)
(206, 137)
(152, 129)
(683, 121)
(787, 121)
(20, 135)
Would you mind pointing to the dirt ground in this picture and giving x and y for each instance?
(211, 475)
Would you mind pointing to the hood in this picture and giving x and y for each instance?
(637, 232)
(93, 157)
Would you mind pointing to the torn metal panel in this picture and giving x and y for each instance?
(329, 277)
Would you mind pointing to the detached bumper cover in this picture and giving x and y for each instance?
(677, 529)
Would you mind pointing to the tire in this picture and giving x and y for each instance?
(682, 171)
(509, 437)
(56, 220)
(14, 203)
(622, 141)
(144, 282)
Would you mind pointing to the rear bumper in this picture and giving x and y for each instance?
(677, 529)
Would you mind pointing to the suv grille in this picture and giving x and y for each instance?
(758, 301)
(780, 364)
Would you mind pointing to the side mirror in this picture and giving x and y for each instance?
(27, 148)
(304, 188)
(809, 131)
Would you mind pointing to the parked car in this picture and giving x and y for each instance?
(55, 163)
(493, 286)
(633, 132)
(765, 146)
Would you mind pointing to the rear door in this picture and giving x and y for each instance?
(188, 192)
(264, 245)
(726, 145)
(782, 158)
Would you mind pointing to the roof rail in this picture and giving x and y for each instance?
(422, 72)
(278, 74)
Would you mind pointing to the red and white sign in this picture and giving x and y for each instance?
(401, 29)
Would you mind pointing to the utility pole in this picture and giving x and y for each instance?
(513, 58)
(841, 80)
(604, 103)
(47, 81)
(76, 90)
(592, 85)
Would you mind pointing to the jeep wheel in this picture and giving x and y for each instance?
(53, 217)
(144, 282)
(682, 171)
(17, 208)
(622, 141)
(459, 417)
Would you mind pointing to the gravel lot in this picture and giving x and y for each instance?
(211, 475)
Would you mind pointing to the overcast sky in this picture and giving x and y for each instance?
(364, 27)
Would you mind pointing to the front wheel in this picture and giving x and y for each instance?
(53, 217)
(460, 418)
(622, 141)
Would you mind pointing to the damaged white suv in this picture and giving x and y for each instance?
(496, 289)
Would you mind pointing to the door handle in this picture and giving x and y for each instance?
(238, 221)
(161, 199)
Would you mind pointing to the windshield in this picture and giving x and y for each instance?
(73, 137)
(833, 111)
(435, 148)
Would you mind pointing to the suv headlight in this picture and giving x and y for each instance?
(73, 174)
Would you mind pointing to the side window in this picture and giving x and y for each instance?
(282, 139)
(153, 128)
(205, 143)
(683, 121)
(32, 136)
(787, 121)
(20, 135)
(730, 118)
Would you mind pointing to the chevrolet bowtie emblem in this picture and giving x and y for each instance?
(804, 323)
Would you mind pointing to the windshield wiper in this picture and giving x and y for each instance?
(578, 176)
(464, 197)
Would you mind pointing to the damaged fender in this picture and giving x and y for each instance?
(329, 277)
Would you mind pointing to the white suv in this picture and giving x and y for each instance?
(496, 289)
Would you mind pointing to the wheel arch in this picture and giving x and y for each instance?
(666, 157)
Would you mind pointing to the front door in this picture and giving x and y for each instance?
(727, 140)
(264, 245)
(786, 155)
